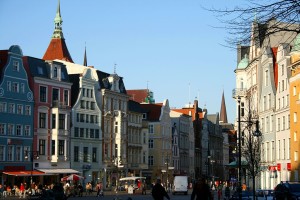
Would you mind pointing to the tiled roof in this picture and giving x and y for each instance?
(57, 49)
(138, 95)
(153, 111)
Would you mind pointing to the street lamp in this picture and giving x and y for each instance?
(33, 155)
(256, 133)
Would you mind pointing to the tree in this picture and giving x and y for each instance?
(251, 152)
(284, 15)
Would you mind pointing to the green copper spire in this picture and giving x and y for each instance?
(58, 24)
(296, 46)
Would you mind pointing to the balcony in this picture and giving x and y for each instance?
(239, 92)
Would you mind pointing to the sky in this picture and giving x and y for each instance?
(168, 46)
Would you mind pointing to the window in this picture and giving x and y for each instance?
(66, 97)
(282, 68)
(10, 153)
(18, 129)
(296, 156)
(150, 161)
(61, 121)
(19, 109)
(55, 72)
(284, 149)
(61, 147)
(92, 135)
(76, 153)
(94, 155)
(269, 101)
(2, 107)
(92, 105)
(294, 91)
(53, 121)
(265, 103)
(85, 154)
(53, 147)
(273, 151)
(283, 123)
(27, 110)
(40, 70)
(116, 127)
(151, 143)
(8, 86)
(2, 150)
(278, 124)
(42, 120)
(97, 133)
(2, 129)
(282, 85)
(15, 65)
(288, 100)
(295, 136)
(15, 87)
(289, 121)
(11, 108)
(76, 132)
(42, 147)
(278, 155)
(81, 132)
(27, 130)
(295, 117)
(151, 128)
(55, 93)
(18, 153)
(144, 116)
(10, 129)
(266, 78)
(43, 94)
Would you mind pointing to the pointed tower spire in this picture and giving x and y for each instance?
(85, 59)
(57, 48)
(58, 24)
(223, 112)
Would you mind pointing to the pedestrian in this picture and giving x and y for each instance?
(201, 190)
(80, 190)
(227, 192)
(99, 188)
(219, 193)
(158, 191)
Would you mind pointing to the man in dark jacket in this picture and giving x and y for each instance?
(159, 192)
(201, 190)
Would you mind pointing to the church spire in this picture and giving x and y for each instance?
(85, 59)
(223, 112)
(57, 48)
(58, 24)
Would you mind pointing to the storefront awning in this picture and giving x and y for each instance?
(24, 173)
(235, 164)
(59, 171)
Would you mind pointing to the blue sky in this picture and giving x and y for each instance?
(168, 45)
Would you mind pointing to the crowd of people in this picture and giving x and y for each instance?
(22, 190)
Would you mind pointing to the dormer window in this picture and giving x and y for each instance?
(55, 72)
(144, 115)
(16, 65)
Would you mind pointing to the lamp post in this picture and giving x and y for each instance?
(257, 133)
(33, 155)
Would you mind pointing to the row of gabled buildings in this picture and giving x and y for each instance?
(267, 89)
(58, 117)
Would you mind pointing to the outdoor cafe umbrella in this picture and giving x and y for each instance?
(72, 177)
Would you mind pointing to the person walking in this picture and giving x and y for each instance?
(227, 192)
(159, 192)
(201, 190)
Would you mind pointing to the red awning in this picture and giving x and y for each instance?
(24, 173)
